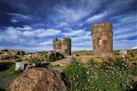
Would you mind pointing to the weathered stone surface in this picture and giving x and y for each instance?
(62, 45)
(102, 39)
(38, 79)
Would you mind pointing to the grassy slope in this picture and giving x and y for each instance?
(9, 72)
(85, 52)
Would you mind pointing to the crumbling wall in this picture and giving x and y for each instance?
(102, 39)
(66, 46)
(57, 45)
(62, 45)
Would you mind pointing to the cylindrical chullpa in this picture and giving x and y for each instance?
(102, 38)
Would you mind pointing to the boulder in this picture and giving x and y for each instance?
(38, 79)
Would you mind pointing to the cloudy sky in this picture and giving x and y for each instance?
(32, 24)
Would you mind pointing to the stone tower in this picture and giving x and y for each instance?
(56, 44)
(102, 36)
(66, 46)
(62, 45)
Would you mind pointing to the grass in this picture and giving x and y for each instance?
(82, 52)
(9, 72)
(56, 67)
(134, 51)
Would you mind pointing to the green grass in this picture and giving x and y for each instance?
(82, 52)
(56, 67)
(9, 72)
(85, 52)
(134, 51)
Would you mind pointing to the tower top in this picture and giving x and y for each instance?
(102, 26)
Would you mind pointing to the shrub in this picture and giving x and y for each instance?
(2, 89)
(54, 56)
(110, 75)
(134, 71)
(18, 59)
(77, 55)
(35, 60)
(76, 75)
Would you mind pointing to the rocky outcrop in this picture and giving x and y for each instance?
(38, 79)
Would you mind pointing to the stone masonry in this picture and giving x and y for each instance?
(62, 45)
(102, 39)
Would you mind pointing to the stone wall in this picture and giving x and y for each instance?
(62, 45)
(102, 39)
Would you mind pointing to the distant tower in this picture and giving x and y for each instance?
(66, 46)
(57, 44)
(62, 45)
(102, 39)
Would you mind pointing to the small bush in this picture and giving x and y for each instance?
(110, 75)
(18, 59)
(54, 56)
(76, 75)
(134, 71)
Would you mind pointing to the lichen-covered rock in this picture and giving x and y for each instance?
(38, 79)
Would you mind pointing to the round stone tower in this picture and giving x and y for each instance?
(102, 36)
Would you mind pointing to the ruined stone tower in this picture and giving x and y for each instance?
(56, 44)
(62, 45)
(102, 39)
